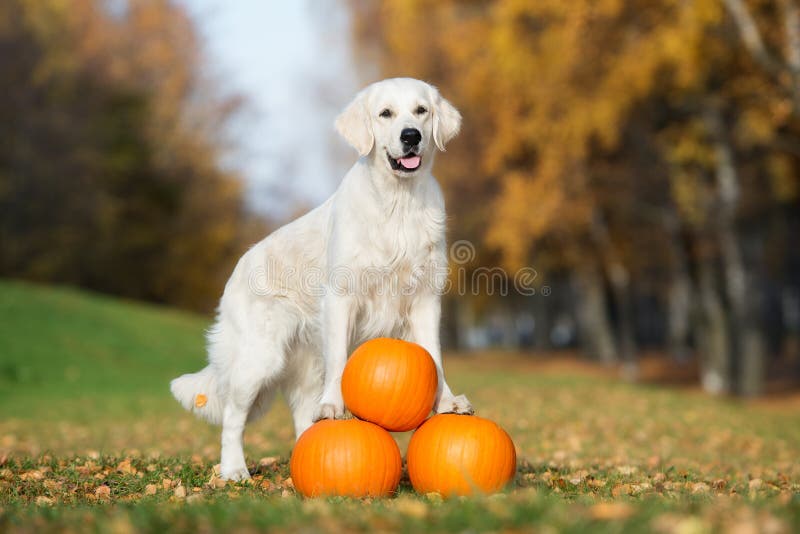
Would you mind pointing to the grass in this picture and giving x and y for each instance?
(90, 439)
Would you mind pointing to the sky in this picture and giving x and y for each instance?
(291, 61)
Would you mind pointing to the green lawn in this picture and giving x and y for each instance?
(91, 439)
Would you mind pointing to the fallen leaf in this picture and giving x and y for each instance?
(103, 492)
(180, 492)
(31, 475)
(267, 461)
(626, 470)
(41, 500)
(755, 484)
(216, 482)
(621, 489)
(608, 511)
(126, 467)
(150, 489)
(52, 484)
(700, 487)
(411, 507)
(200, 400)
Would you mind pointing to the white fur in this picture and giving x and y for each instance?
(300, 300)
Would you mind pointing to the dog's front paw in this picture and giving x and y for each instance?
(329, 410)
(458, 404)
(234, 473)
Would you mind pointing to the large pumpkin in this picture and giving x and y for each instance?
(460, 455)
(391, 383)
(345, 457)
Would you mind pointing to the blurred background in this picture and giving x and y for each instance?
(642, 156)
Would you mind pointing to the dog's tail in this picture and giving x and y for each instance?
(198, 393)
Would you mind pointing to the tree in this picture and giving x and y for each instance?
(111, 177)
(580, 111)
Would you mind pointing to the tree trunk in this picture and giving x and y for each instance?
(619, 280)
(712, 332)
(542, 314)
(621, 291)
(594, 326)
(679, 293)
(747, 346)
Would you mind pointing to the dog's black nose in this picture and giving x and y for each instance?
(410, 137)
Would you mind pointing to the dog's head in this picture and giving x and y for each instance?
(400, 121)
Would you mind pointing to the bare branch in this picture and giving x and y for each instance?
(791, 17)
(751, 35)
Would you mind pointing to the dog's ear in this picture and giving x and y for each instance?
(354, 125)
(446, 120)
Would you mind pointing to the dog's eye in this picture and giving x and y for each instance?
(421, 110)
(386, 113)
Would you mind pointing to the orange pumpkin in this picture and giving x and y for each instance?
(391, 383)
(460, 455)
(346, 457)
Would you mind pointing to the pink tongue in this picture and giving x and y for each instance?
(411, 162)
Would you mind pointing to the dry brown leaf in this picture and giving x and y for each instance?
(53, 484)
(166, 483)
(434, 496)
(411, 507)
(32, 475)
(180, 492)
(216, 482)
(88, 467)
(621, 489)
(755, 484)
(150, 489)
(103, 492)
(700, 487)
(41, 500)
(126, 467)
(267, 461)
(609, 511)
(200, 400)
(627, 470)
